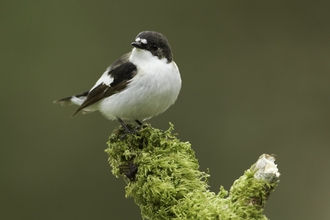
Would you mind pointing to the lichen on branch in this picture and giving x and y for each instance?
(162, 175)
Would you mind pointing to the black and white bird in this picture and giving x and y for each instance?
(139, 85)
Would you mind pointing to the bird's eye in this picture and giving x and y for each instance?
(154, 46)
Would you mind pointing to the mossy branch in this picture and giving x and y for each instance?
(163, 177)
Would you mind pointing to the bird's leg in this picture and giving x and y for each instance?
(139, 123)
(127, 131)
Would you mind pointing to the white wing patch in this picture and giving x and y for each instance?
(105, 79)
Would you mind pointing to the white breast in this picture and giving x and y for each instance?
(154, 89)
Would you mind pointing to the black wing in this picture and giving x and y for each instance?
(122, 71)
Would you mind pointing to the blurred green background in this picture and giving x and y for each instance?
(255, 80)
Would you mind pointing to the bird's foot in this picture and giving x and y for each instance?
(127, 130)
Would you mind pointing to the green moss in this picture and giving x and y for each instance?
(163, 177)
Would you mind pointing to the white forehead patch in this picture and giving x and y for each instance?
(144, 41)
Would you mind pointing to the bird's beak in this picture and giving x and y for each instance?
(137, 45)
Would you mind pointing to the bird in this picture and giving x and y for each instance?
(139, 85)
